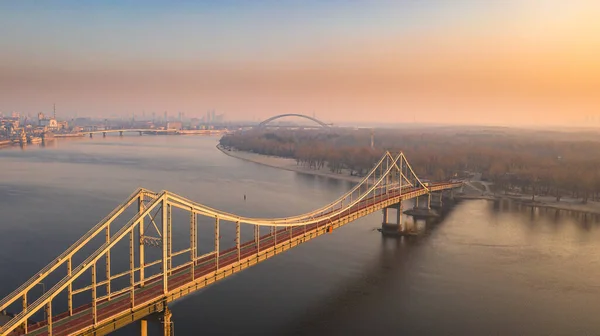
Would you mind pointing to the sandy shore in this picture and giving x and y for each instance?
(470, 191)
(285, 163)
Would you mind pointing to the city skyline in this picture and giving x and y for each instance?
(499, 63)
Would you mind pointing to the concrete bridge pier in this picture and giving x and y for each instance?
(91, 135)
(437, 201)
(140, 132)
(104, 134)
(397, 228)
(423, 202)
(121, 133)
(422, 211)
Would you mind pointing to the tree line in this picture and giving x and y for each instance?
(524, 161)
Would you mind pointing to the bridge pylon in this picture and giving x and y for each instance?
(166, 322)
(399, 227)
(422, 209)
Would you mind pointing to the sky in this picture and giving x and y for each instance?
(496, 62)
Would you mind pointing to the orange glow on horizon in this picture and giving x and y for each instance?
(539, 65)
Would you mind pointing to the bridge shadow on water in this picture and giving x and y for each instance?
(386, 271)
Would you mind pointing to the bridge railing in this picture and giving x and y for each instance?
(66, 256)
(101, 229)
(89, 263)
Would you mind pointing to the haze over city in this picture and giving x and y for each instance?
(458, 62)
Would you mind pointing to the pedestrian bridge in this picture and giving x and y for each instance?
(88, 296)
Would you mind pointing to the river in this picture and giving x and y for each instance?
(485, 269)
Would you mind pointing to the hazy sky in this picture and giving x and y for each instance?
(448, 61)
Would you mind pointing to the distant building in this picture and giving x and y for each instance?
(174, 125)
(63, 125)
(49, 123)
(10, 124)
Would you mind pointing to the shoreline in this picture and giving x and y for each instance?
(549, 202)
(285, 164)
(290, 165)
(8, 143)
(592, 209)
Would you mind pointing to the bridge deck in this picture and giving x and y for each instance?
(152, 291)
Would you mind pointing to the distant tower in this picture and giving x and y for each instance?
(54, 108)
(372, 138)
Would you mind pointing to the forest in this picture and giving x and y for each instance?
(533, 162)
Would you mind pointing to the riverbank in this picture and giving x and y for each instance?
(284, 163)
(482, 190)
(472, 190)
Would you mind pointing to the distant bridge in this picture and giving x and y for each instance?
(140, 131)
(266, 122)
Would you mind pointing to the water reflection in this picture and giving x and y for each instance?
(484, 268)
(554, 215)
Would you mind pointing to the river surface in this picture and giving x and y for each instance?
(485, 269)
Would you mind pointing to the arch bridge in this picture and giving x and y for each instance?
(317, 121)
(155, 236)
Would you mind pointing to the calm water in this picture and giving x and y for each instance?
(486, 269)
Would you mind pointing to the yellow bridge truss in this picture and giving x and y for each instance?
(142, 289)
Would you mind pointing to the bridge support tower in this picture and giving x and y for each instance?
(437, 201)
(144, 327)
(104, 134)
(121, 133)
(91, 135)
(166, 322)
(396, 228)
(423, 211)
(140, 132)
